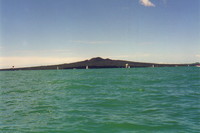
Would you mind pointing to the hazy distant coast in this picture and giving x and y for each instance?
(98, 62)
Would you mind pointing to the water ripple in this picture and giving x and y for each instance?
(143, 100)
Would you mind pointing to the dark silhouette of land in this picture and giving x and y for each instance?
(98, 62)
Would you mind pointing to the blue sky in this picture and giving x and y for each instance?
(41, 32)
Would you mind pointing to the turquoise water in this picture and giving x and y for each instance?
(136, 100)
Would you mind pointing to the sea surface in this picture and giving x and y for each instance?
(135, 100)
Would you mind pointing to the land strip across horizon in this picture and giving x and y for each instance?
(98, 62)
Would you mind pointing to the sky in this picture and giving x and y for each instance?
(44, 32)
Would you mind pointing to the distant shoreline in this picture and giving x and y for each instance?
(97, 63)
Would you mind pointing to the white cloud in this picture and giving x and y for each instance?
(136, 55)
(141, 57)
(164, 1)
(17, 61)
(91, 42)
(43, 51)
(146, 43)
(118, 56)
(198, 55)
(147, 3)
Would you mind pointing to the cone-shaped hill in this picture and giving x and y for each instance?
(98, 62)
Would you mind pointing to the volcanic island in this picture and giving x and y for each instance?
(98, 62)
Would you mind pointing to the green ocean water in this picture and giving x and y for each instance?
(136, 100)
